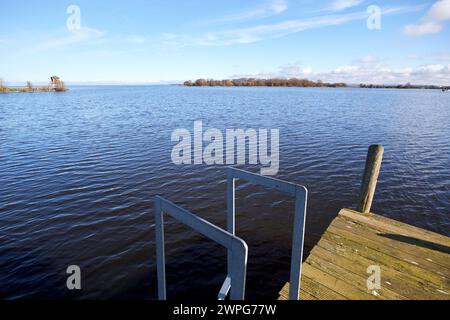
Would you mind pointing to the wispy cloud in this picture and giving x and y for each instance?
(339, 5)
(432, 22)
(286, 71)
(269, 8)
(273, 30)
(84, 36)
(67, 38)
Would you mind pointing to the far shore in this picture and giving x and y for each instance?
(59, 86)
(294, 82)
(41, 89)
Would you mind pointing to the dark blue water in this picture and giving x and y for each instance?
(79, 171)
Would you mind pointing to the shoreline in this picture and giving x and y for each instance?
(301, 83)
(55, 85)
(49, 89)
(25, 90)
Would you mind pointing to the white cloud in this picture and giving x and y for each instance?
(440, 11)
(432, 22)
(339, 5)
(273, 30)
(270, 8)
(83, 34)
(368, 71)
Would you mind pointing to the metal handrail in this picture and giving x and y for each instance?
(237, 248)
(300, 193)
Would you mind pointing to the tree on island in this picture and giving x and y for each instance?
(254, 82)
(399, 86)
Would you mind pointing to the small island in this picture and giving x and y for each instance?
(252, 82)
(55, 85)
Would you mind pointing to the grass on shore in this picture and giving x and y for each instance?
(40, 89)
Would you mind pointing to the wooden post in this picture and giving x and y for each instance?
(370, 178)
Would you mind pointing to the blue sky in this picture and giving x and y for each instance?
(139, 41)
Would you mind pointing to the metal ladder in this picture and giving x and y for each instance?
(234, 283)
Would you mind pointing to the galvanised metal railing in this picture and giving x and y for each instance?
(237, 248)
(300, 193)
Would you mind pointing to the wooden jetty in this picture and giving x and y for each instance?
(363, 256)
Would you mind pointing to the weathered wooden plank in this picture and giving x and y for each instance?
(336, 284)
(358, 280)
(393, 226)
(415, 263)
(405, 285)
(304, 295)
(430, 259)
(361, 248)
(312, 290)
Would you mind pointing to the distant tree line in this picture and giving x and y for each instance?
(251, 82)
(399, 86)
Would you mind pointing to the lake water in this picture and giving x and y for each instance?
(79, 171)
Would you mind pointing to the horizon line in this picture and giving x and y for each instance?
(16, 83)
